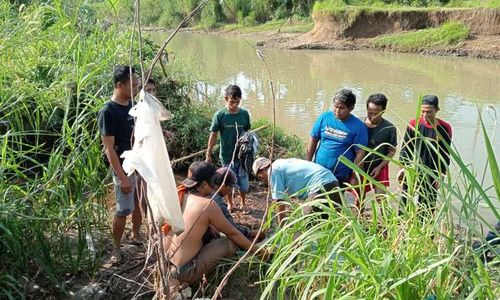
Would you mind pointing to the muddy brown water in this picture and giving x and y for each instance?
(305, 82)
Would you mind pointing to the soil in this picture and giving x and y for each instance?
(133, 277)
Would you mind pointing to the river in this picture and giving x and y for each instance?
(306, 80)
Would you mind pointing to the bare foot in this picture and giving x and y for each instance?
(116, 256)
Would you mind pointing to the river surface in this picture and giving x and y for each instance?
(306, 80)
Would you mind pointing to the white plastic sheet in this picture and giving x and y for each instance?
(149, 157)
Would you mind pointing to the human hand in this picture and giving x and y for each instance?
(208, 158)
(125, 185)
(167, 134)
(376, 172)
(353, 180)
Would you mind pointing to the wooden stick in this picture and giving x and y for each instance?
(205, 150)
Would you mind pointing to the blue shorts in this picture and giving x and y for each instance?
(241, 175)
(125, 202)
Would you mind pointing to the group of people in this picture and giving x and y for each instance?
(206, 195)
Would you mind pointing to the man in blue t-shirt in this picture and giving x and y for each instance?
(339, 133)
(294, 177)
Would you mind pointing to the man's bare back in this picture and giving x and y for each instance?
(190, 240)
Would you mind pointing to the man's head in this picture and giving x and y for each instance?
(232, 96)
(260, 167)
(375, 107)
(200, 178)
(429, 107)
(150, 87)
(125, 82)
(343, 103)
(228, 184)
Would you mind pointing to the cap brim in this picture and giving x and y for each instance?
(189, 183)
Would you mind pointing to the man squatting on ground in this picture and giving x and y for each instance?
(225, 187)
(419, 134)
(193, 259)
(115, 127)
(294, 177)
(231, 121)
(382, 138)
(338, 133)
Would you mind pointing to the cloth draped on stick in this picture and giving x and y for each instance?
(149, 157)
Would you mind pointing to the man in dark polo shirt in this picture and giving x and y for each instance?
(426, 142)
(116, 126)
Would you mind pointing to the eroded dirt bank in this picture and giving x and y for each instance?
(357, 29)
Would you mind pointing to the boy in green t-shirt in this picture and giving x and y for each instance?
(231, 122)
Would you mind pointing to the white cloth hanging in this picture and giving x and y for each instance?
(149, 157)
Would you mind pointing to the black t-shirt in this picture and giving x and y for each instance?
(383, 136)
(114, 120)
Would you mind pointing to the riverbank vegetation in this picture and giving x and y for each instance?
(448, 34)
(265, 15)
(390, 253)
(56, 65)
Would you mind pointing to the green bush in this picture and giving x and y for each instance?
(286, 145)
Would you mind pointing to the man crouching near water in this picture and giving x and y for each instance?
(191, 259)
(295, 177)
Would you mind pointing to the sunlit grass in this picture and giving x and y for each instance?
(390, 253)
(448, 34)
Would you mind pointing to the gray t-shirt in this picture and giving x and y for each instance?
(386, 133)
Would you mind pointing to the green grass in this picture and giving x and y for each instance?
(341, 5)
(448, 34)
(385, 254)
(287, 26)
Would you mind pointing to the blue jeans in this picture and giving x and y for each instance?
(241, 175)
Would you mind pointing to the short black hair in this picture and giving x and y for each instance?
(151, 81)
(430, 100)
(233, 91)
(346, 96)
(121, 74)
(378, 99)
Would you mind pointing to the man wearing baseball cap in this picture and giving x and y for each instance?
(294, 177)
(225, 180)
(192, 259)
(426, 143)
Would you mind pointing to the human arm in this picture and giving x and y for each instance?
(376, 171)
(215, 127)
(311, 148)
(217, 219)
(212, 139)
(281, 212)
(392, 142)
(314, 138)
(108, 143)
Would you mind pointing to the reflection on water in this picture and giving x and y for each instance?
(305, 82)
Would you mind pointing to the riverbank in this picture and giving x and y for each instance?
(428, 31)
(455, 32)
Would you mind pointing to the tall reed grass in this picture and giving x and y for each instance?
(387, 254)
(55, 73)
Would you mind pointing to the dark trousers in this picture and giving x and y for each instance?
(426, 190)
